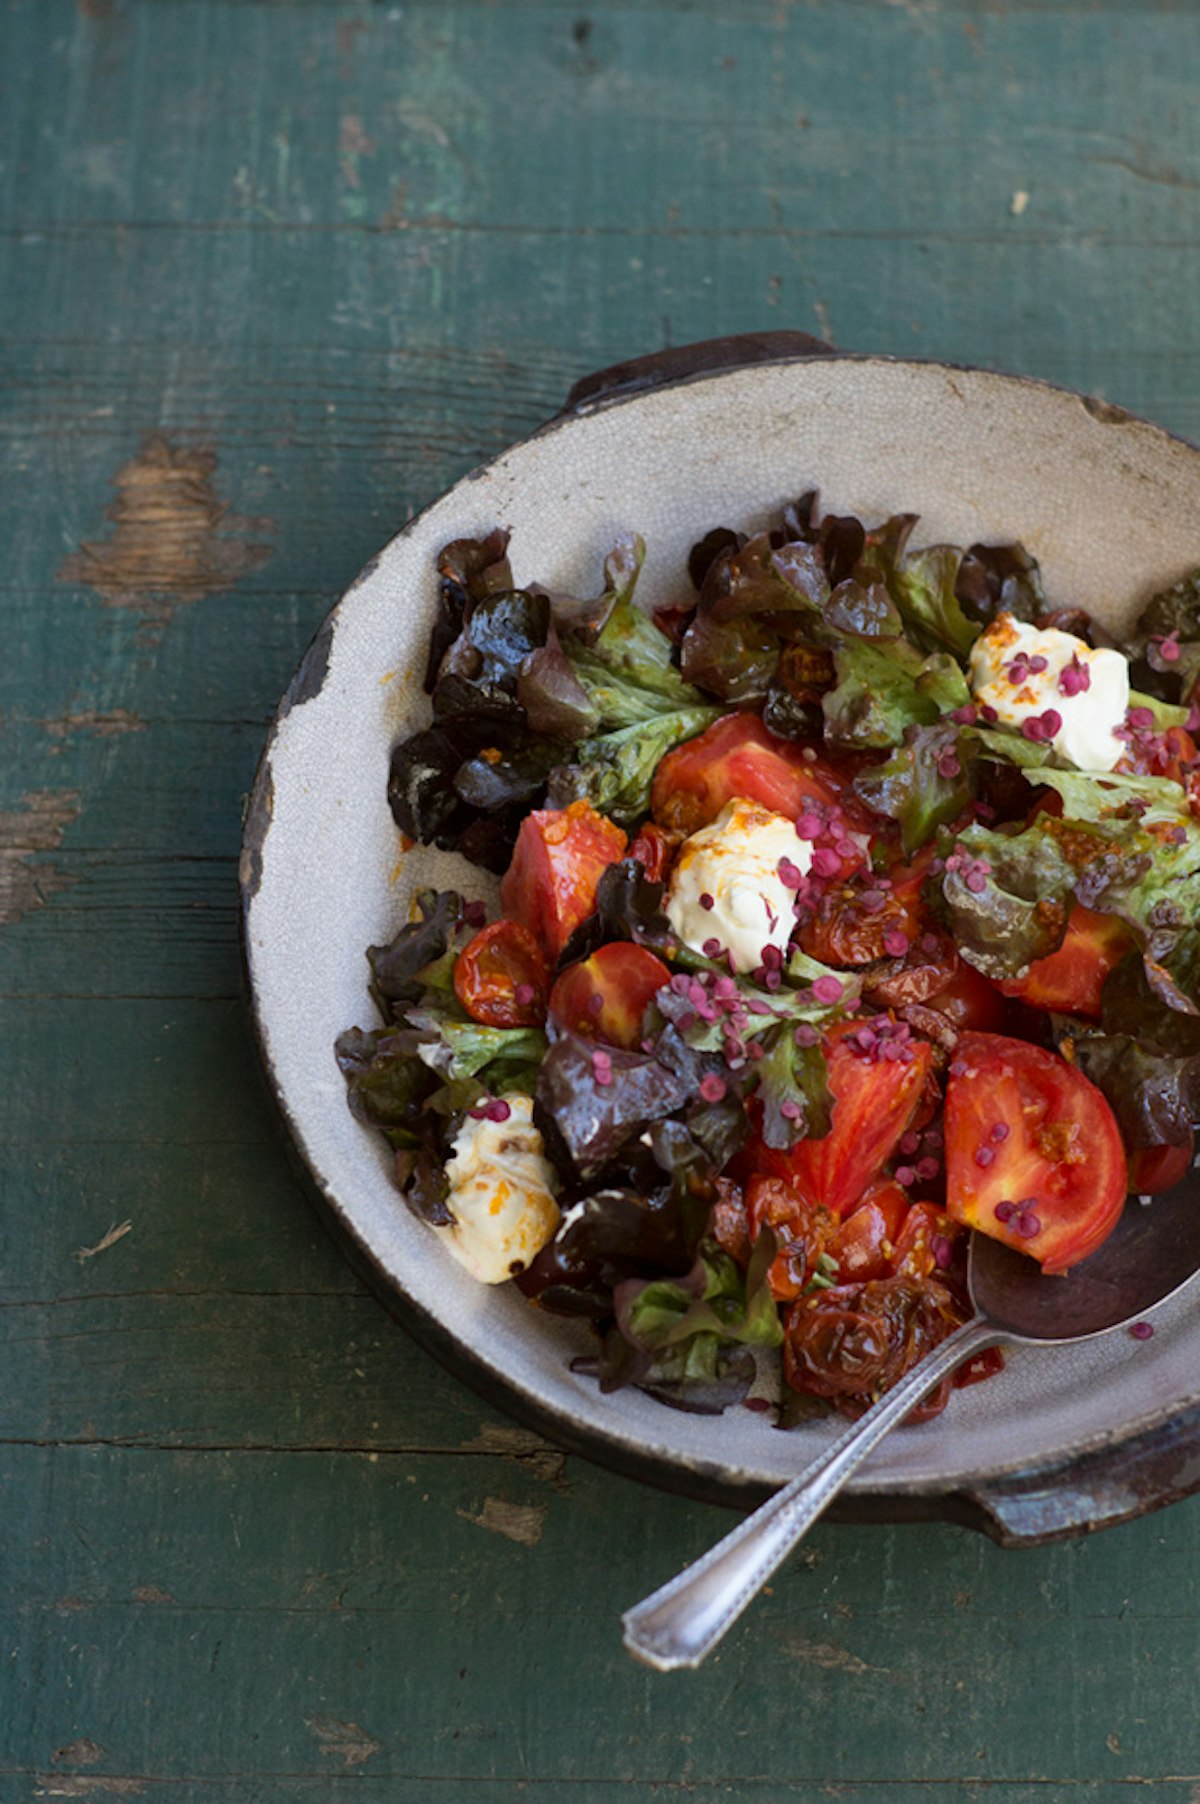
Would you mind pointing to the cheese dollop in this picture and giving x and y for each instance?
(1029, 673)
(501, 1194)
(726, 884)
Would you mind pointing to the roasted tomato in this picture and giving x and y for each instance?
(1153, 1169)
(917, 1248)
(970, 1000)
(738, 756)
(1033, 1154)
(1070, 980)
(605, 996)
(653, 850)
(874, 1100)
(559, 858)
(501, 977)
(803, 1231)
(865, 1243)
(855, 1341)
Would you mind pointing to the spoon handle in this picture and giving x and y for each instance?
(681, 1622)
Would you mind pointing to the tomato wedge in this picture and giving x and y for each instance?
(500, 977)
(1033, 1153)
(1071, 979)
(605, 996)
(874, 1100)
(559, 858)
(739, 756)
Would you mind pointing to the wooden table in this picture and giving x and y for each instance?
(273, 274)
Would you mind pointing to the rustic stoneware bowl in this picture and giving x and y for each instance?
(718, 433)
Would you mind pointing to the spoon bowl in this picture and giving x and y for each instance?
(1151, 1254)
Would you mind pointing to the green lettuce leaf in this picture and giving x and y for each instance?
(923, 785)
(615, 771)
(884, 687)
(924, 588)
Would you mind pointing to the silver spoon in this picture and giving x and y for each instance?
(1153, 1251)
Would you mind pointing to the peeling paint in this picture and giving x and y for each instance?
(151, 1594)
(87, 1785)
(349, 1741)
(38, 826)
(88, 720)
(509, 1441)
(521, 1522)
(175, 540)
(79, 1753)
(825, 1654)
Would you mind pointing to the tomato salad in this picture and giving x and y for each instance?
(847, 903)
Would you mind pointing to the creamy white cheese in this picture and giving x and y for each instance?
(1089, 705)
(501, 1194)
(726, 885)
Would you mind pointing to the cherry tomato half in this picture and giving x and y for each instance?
(501, 977)
(1153, 1169)
(1033, 1153)
(605, 996)
(653, 849)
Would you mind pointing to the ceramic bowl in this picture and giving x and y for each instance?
(1110, 506)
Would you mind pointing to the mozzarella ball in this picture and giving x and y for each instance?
(1033, 674)
(726, 883)
(501, 1194)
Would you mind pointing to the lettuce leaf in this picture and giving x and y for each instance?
(1006, 897)
(923, 785)
(884, 687)
(924, 588)
(615, 771)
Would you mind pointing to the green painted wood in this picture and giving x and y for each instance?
(283, 1595)
(257, 1545)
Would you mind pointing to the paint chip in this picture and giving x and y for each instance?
(102, 1245)
(1018, 203)
(175, 539)
(38, 826)
(521, 1522)
(347, 1741)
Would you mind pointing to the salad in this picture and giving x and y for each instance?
(846, 903)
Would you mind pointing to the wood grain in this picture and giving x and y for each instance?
(325, 256)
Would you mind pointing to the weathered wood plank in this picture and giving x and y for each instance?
(285, 1597)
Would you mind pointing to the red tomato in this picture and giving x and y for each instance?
(866, 1241)
(1153, 1169)
(605, 996)
(738, 756)
(500, 977)
(559, 858)
(969, 1000)
(1071, 979)
(874, 1100)
(853, 1342)
(802, 1229)
(1033, 1154)
(653, 850)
